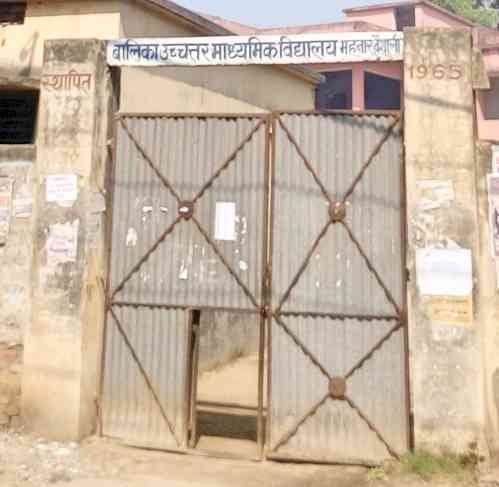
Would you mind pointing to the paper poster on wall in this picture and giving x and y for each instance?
(6, 186)
(444, 272)
(61, 188)
(225, 221)
(434, 193)
(451, 310)
(495, 158)
(23, 207)
(62, 243)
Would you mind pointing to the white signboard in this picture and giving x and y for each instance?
(225, 221)
(240, 50)
(62, 188)
(444, 272)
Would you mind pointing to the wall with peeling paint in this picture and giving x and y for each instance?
(15, 256)
(446, 361)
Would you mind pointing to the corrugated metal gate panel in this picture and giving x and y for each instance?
(146, 407)
(184, 270)
(337, 291)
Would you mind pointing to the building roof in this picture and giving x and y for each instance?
(231, 25)
(351, 26)
(205, 25)
(378, 6)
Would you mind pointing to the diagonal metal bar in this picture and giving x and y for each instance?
(295, 143)
(371, 427)
(303, 348)
(144, 374)
(371, 267)
(373, 350)
(148, 159)
(302, 268)
(228, 161)
(374, 153)
(292, 431)
(145, 257)
(243, 286)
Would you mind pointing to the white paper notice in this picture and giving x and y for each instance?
(225, 221)
(495, 158)
(61, 188)
(444, 272)
(62, 243)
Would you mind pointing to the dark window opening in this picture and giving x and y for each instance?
(405, 16)
(335, 93)
(381, 93)
(491, 100)
(18, 112)
(12, 12)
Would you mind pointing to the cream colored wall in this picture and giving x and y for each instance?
(243, 89)
(213, 89)
(21, 46)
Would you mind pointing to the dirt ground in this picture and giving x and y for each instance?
(30, 462)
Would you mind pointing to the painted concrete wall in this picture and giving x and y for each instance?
(243, 89)
(17, 164)
(64, 336)
(21, 52)
(429, 17)
(383, 17)
(446, 359)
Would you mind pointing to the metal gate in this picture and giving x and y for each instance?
(172, 176)
(338, 382)
(317, 254)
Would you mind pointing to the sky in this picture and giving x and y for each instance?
(270, 13)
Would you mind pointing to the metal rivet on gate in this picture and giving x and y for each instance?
(338, 388)
(338, 211)
(186, 210)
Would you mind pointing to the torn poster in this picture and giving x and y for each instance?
(225, 221)
(6, 186)
(444, 272)
(61, 188)
(434, 193)
(23, 207)
(62, 243)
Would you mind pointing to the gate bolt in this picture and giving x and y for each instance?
(338, 211)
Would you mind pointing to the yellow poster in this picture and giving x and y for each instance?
(451, 310)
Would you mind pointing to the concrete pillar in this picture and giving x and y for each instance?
(445, 338)
(358, 102)
(63, 340)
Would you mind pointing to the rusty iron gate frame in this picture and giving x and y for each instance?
(186, 212)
